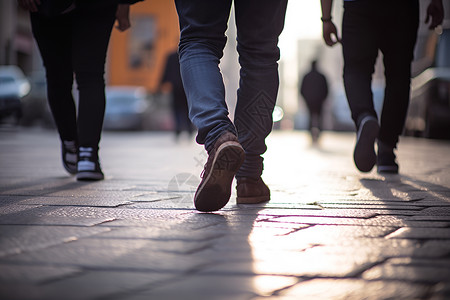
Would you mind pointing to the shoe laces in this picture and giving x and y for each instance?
(70, 146)
(86, 153)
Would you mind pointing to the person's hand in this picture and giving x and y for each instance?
(123, 17)
(435, 13)
(330, 35)
(30, 5)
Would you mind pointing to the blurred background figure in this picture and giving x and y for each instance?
(314, 90)
(172, 77)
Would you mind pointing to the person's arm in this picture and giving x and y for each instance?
(123, 17)
(123, 14)
(435, 13)
(30, 5)
(329, 30)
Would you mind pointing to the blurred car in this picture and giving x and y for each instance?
(340, 111)
(126, 108)
(429, 109)
(13, 87)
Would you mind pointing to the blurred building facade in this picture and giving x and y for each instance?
(138, 56)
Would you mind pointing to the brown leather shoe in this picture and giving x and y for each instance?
(252, 191)
(223, 162)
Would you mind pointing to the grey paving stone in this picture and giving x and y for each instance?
(349, 213)
(18, 238)
(86, 285)
(182, 234)
(50, 216)
(352, 289)
(437, 211)
(10, 208)
(118, 254)
(216, 287)
(76, 200)
(33, 274)
(294, 264)
(421, 233)
(383, 220)
(410, 270)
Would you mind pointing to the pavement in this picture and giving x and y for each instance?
(329, 232)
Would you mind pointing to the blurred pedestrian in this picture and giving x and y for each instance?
(233, 149)
(367, 27)
(314, 89)
(180, 110)
(73, 36)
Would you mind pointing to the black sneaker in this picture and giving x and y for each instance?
(88, 167)
(223, 162)
(69, 155)
(364, 153)
(386, 159)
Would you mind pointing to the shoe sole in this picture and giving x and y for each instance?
(214, 192)
(252, 200)
(387, 169)
(364, 154)
(70, 167)
(89, 176)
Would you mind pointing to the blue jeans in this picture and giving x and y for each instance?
(203, 25)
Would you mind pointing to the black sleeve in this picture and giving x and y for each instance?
(129, 1)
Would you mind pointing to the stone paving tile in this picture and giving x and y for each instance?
(344, 289)
(437, 211)
(33, 274)
(31, 215)
(86, 285)
(425, 271)
(119, 254)
(215, 287)
(344, 213)
(430, 218)
(18, 238)
(421, 233)
(8, 207)
(73, 200)
(154, 233)
(389, 221)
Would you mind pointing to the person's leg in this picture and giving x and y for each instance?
(360, 50)
(398, 50)
(57, 58)
(203, 25)
(259, 24)
(53, 37)
(93, 22)
(202, 40)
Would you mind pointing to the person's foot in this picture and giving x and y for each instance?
(251, 191)
(88, 168)
(69, 153)
(223, 162)
(364, 153)
(386, 159)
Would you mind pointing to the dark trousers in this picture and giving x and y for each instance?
(76, 43)
(369, 26)
(203, 25)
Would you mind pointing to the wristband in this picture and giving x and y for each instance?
(326, 19)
